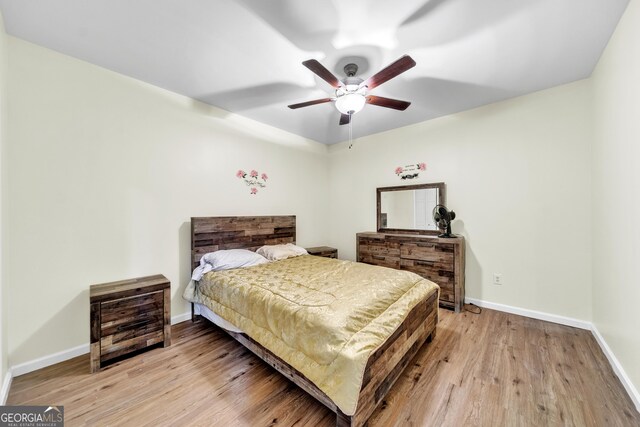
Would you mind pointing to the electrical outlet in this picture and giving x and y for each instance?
(497, 278)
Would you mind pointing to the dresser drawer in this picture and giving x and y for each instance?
(438, 273)
(436, 252)
(378, 247)
(381, 260)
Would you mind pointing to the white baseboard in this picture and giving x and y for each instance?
(6, 385)
(553, 318)
(179, 318)
(52, 359)
(617, 368)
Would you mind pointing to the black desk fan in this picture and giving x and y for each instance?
(443, 217)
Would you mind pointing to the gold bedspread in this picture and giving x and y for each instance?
(322, 316)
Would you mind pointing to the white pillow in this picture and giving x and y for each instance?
(226, 260)
(278, 252)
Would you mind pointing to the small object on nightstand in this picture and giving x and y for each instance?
(128, 316)
(324, 251)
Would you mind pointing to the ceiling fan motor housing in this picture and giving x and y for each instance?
(350, 69)
(352, 83)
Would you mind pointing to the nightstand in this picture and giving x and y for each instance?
(324, 251)
(128, 316)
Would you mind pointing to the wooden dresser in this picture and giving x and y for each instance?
(128, 316)
(437, 259)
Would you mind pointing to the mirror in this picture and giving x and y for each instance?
(408, 208)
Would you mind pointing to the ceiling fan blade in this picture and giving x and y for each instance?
(345, 119)
(390, 71)
(322, 72)
(309, 103)
(381, 101)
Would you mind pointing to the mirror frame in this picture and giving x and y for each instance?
(442, 200)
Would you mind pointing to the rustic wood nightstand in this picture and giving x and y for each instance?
(128, 316)
(325, 251)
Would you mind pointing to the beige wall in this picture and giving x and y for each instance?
(616, 193)
(3, 205)
(518, 177)
(105, 172)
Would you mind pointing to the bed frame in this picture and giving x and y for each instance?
(385, 365)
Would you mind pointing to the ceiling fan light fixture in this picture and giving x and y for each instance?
(350, 99)
(350, 103)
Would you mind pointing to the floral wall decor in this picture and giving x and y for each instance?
(253, 180)
(410, 171)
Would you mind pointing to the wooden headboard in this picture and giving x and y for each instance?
(210, 234)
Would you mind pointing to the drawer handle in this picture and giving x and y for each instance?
(133, 325)
(377, 257)
(425, 263)
(426, 245)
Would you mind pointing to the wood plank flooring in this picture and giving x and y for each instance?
(492, 369)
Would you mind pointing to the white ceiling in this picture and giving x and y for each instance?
(245, 56)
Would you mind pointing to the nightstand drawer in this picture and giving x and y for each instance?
(116, 315)
(133, 329)
(125, 342)
(143, 320)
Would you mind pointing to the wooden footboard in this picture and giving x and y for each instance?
(387, 363)
(383, 368)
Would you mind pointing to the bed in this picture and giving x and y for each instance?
(385, 341)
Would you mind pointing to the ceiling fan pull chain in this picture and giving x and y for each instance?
(350, 131)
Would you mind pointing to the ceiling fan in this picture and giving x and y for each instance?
(351, 92)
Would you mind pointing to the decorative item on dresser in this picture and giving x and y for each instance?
(128, 316)
(324, 251)
(443, 217)
(440, 260)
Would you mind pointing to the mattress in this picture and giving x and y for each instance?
(207, 313)
(323, 316)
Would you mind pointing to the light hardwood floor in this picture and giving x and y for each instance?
(492, 369)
